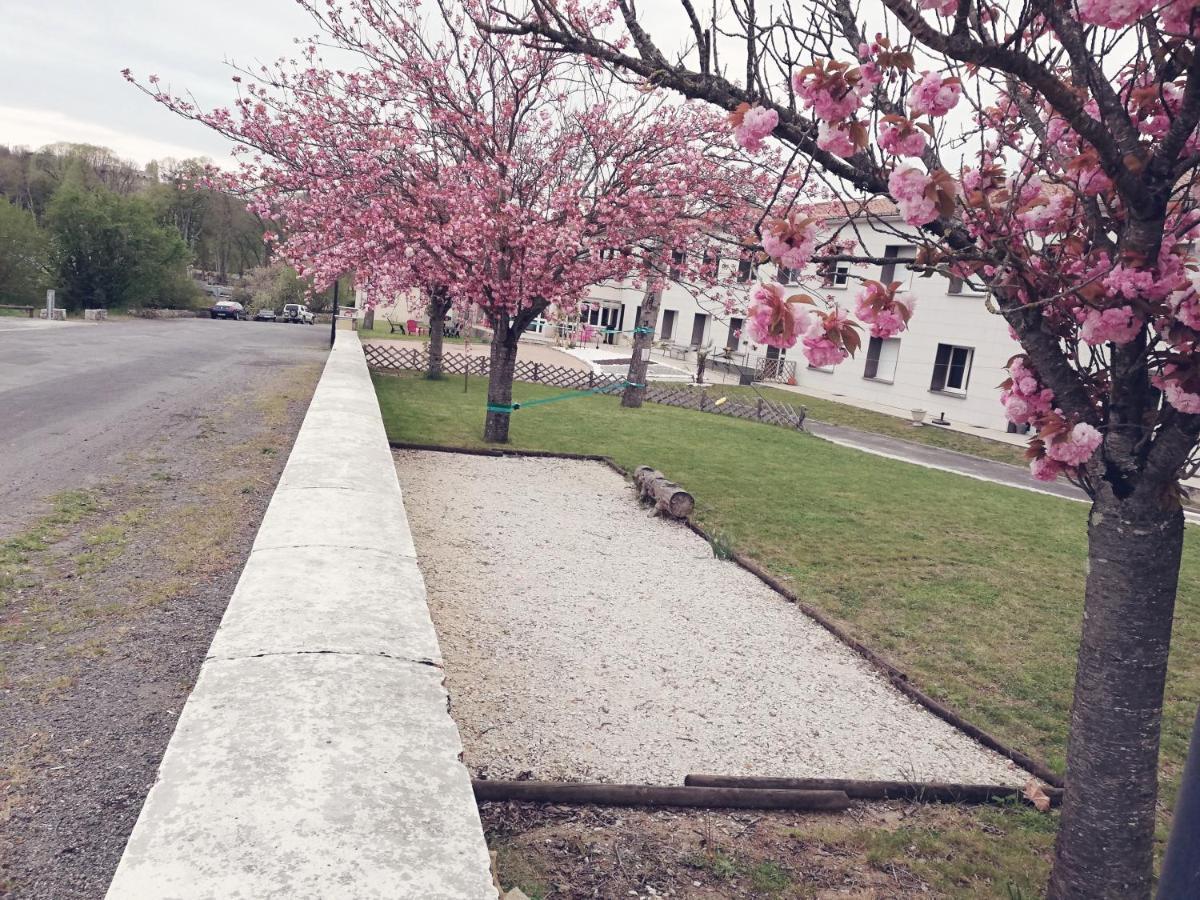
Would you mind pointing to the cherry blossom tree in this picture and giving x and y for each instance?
(1071, 198)
(474, 167)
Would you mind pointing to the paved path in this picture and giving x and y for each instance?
(949, 461)
(75, 399)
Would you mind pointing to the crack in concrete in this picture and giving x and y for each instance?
(420, 661)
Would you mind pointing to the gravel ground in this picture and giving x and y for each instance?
(586, 640)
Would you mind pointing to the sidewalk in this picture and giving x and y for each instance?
(949, 461)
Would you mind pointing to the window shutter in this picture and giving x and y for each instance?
(941, 362)
(872, 367)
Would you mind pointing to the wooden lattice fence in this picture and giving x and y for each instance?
(388, 357)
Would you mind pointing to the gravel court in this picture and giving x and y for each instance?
(586, 640)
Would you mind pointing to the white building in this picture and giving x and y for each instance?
(949, 362)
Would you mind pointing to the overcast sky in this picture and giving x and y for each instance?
(60, 67)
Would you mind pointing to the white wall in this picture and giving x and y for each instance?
(941, 318)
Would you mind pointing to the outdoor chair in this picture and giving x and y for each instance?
(413, 327)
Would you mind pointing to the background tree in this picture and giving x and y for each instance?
(1076, 208)
(110, 250)
(514, 177)
(24, 256)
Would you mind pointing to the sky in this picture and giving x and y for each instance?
(60, 67)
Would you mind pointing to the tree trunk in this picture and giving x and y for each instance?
(439, 305)
(500, 383)
(1106, 834)
(643, 338)
(1180, 875)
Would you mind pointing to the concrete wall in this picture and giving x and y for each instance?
(316, 757)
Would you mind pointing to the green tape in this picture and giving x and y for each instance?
(620, 385)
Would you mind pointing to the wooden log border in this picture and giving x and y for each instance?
(855, 789)
(898, 678)
(652, 795)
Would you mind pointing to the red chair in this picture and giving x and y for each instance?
(413, 327)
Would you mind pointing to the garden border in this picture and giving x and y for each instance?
(898, 678)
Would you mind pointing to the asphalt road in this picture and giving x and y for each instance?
(76, 398)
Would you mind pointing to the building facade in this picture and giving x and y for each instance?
(949, 362)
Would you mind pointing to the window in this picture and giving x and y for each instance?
(951, 369)
(835, 275)
(783, 275)
(668, 325)
(956, 285)
(900, 253)
(711, 262)
(745, 270)
(882, 356)
(677, 260)
(735, 333)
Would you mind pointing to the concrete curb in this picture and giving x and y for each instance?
(316, 756)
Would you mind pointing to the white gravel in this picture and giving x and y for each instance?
(585, 640)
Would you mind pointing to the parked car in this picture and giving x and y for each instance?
(227, 309)
(294, 312)
(265, 315)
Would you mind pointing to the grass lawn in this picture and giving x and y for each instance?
(973, 589)
(382, 332)
(835, 413)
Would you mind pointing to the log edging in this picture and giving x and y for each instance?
(898, 678)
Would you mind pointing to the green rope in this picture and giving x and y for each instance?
(507, 410)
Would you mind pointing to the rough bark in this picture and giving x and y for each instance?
(500, 382)
(635, 393)
(439, 305)
(1106, 834)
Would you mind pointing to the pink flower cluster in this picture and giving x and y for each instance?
(835, 138)
(1076, 446)
(1170, 383)
(757, 123)
(1178, 16)
(773, 321)
(908, 187)
(1113, 13)
(1118, 324)
(901, 139)
(828, 95)
(1025, 399)
(791, 244)
(941, 7)
(934, 95)
(885, 313)
(820, 349)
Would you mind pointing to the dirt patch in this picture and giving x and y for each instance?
(107, 607)
(871, 851)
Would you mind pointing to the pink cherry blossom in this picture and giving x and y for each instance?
(1169, 382)
(1178, 16)
(886, 313)
(1025, 399)
(1113, 13)
(1119, 325)
(835, 138)
(934, 95)
(901, 140)
(1045, 469)
(942, 7)
(822, 352)
(757, 123)
(772, 320)
(908, 185)
(1076, 447)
